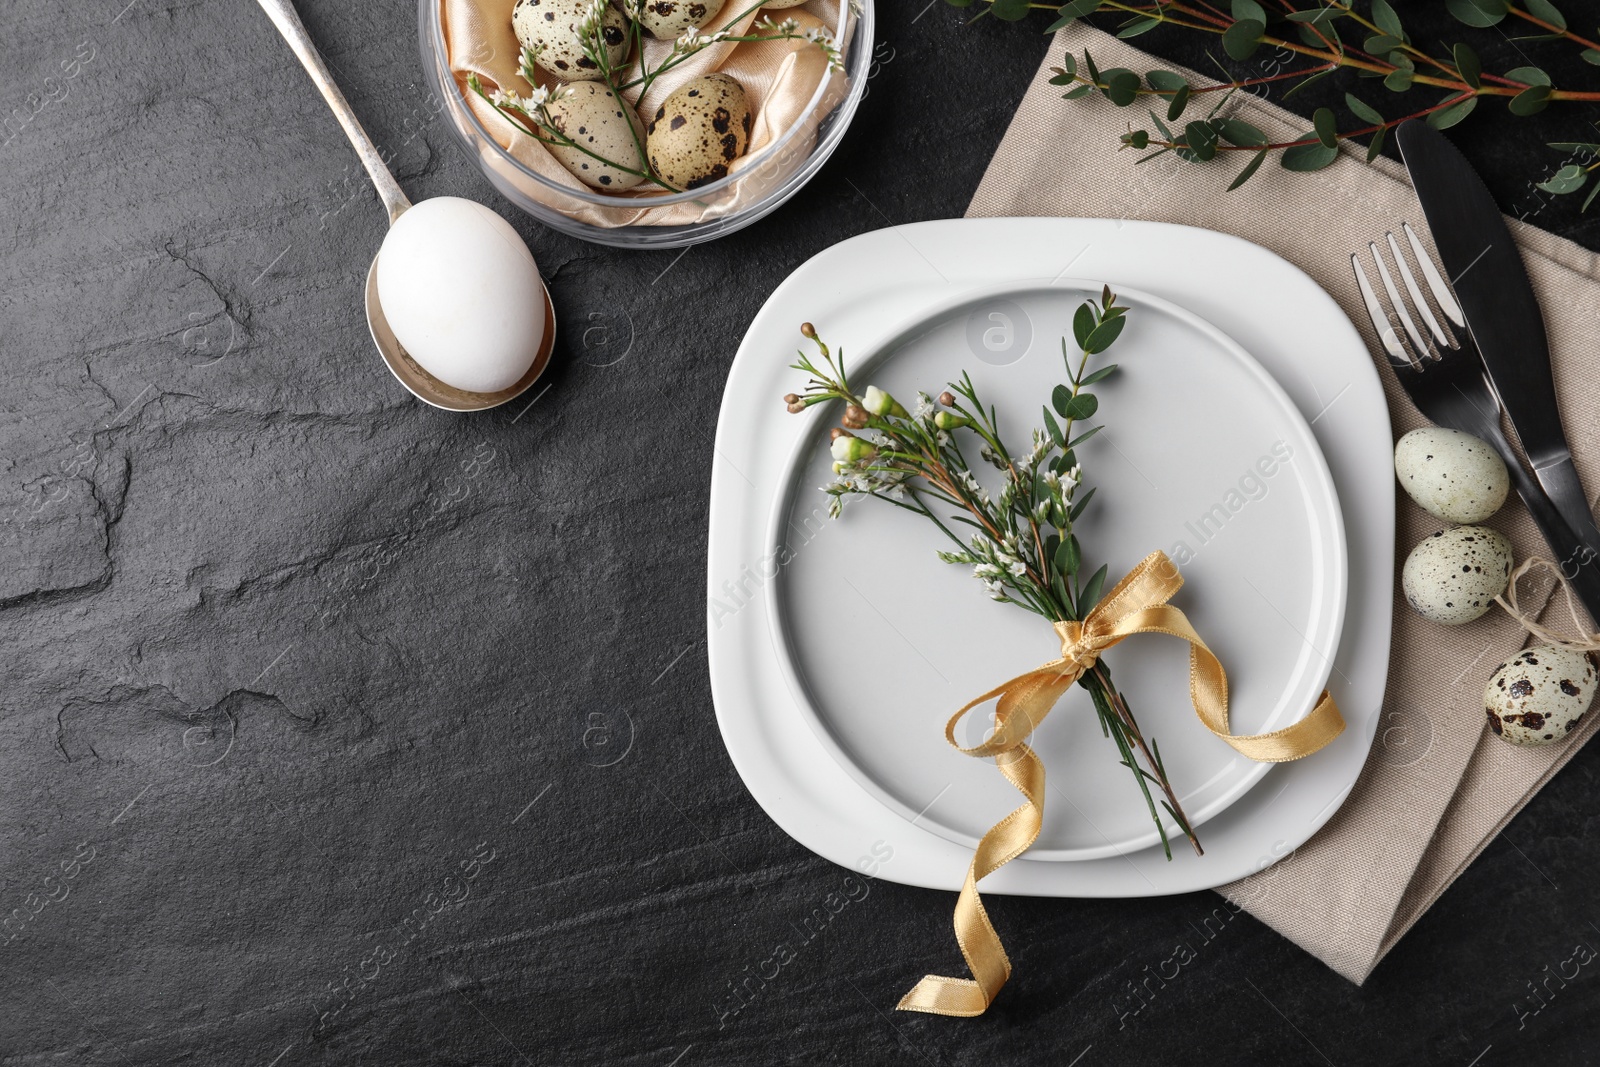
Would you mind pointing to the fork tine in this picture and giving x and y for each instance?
(1444, 339)
(1399, 304)
(1392, 343)
(1441, 291)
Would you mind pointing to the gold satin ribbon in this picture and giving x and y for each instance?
(1137, 605)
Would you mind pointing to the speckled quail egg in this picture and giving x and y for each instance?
(1539, 695)
(1453, 576)
(777, 5)
(593, 116)
(667, 19)
(1451, 475)
(698, 130)
(549, 28)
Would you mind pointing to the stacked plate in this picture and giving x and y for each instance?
(1246, 436)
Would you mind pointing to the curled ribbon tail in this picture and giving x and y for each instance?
(1137, 604)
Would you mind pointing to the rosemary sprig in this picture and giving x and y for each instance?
(1022, 543)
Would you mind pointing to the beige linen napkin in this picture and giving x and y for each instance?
(1438, 786)
(779, 78)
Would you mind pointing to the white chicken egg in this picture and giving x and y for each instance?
(460, 290)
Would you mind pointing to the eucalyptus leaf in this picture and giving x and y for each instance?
(1082, 502)
(1590, 198)
(1528, 76)
(1479, 13)
(1060, 397)
(1104, 334)
(1569, 179)
(1531, 100)
(1081, 91)
(1201, 137)
(1389, 22)
(1069, 557)
(1180, 100)
(1545, 11)
(1590, 55)
(1083, 324)
(1121, 86)
(1054, 428)
(1327, 126)
(1317, 15)
(1165, 81)
(1098, 376)
(1010, 10)
(1081, 438)
(1138, 26)
(1468, 65)
(1382, 44)
(1082, 406)
(1249, 170)
(1242, 38)
(1241, 133)
(1362, 110)
(1399, 80)
(1376, 144)
(1091, 589)
(1447, 117)
(1308, 157)
(1249, 9)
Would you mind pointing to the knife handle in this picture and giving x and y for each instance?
(1561, 485)
(1578, 560)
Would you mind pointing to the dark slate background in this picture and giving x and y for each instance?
(336, 729)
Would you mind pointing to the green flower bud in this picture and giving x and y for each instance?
(949, 420)
(849, 450)
(881, 403)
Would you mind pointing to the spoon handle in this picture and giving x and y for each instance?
(283, 16)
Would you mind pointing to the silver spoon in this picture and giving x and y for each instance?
(423, 386)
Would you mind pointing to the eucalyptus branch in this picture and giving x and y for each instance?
(1383, 52)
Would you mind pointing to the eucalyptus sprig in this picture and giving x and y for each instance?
(1330, 36)
(1022, 543)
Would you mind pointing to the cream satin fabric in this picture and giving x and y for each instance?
(779, 79)
(1438, 786)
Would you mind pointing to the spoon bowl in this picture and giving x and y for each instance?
(430, 390)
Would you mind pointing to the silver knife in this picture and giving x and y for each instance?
(1497, 300)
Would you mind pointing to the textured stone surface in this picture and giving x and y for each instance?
(292, 661)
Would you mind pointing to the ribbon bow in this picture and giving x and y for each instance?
(1136, 605)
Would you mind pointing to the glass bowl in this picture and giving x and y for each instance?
(768, 179)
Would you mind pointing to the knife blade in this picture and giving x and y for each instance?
(1490, 282)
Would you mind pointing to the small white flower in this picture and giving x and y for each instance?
(924, 406)
(1017, 568)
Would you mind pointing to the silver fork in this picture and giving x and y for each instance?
(1443, 374)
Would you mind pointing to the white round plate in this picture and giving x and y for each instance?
(1200, 454)
(859, 293)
